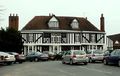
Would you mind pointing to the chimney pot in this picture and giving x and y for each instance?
(13, 21)
(102, 15)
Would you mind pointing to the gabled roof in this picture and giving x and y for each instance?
(115, 37)
(41, 22)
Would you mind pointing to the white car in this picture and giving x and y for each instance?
(18, 57)
(1, 59)
(75, 56)
(95, 55)
(7, 58)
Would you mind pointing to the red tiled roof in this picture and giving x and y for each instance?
(41, 22)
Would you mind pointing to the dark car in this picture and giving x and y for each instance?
(33, 56)
(112, 58)
(59, 55)
(36, 56)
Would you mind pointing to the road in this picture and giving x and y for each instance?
(56, 68)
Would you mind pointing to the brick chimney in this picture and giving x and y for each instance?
(102, 26)
(14, 21)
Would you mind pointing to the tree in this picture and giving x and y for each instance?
(10, 40)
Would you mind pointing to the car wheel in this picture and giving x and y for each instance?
(63, 61)
(31, 60)
(105, 62)
(9, 63)
(14, 62)
(90, 60)
(85, 63)
(71, 62)
(119, 63)
(20, 62)
(36, 59)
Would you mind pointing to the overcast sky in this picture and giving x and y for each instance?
(92, 9)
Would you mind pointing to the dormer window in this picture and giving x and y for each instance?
(75, 24)
(53, 23)
(116, 42)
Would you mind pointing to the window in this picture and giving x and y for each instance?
(55, 38)
(24, 36)
(46, 37)
(30, 37)
(116, 42)
(113, 53)
(77, 36)
(117, 52)
(99, 36)
(46, 40)
(75, 24)
(64, 37)
(53, 23)
(68, 53)
(92, 38)
(79, 52)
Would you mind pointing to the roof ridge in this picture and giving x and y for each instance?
(114, 34)
(61, 16)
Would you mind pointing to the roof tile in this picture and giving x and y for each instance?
(41, 22)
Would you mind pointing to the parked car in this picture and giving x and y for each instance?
(95, 55)
(59, 55)
(7, 58)
(75, 56)
(1, 58)
(33, 56)
(37, 56)
(112, 58)
(44, 56)
(51, 56)
(107, 52)
(18, 57)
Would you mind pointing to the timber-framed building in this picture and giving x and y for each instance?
(61, 33)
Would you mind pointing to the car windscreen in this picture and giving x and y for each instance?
(119, 53)
(38, 53)
(88, 52)
(10, 53)
(79, 52)
(98, 52)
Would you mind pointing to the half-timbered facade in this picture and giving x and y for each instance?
(60, 33)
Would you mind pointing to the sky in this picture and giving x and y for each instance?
(92, 9)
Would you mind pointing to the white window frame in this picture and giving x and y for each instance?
(55, 38)
(93, 38)
(75, 24)
(77, 36)
(30, 37)
(53, 23)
